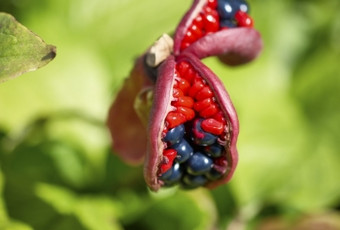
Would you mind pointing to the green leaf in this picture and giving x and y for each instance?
(95, 212)
(178, 209)
(21, 50)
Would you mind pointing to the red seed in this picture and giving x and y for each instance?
(196, 87)
(177, 92)
(177, 73)
(209, 112)
(189, 37)
(219, 117)
(184, 85)
(243, 19)
(174, 119)
(185, 45)
(197, 32)
(182, 68)
(204, 93)
(200, 105)
(184, 101)
(211, 21)
(212, 4)
(209, 10)
(169, 155)
(212, 126)
(190, 75)
(198, 21)
(187, 112)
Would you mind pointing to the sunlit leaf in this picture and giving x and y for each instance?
(21, 50)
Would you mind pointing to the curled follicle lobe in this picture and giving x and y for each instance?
(210, 129)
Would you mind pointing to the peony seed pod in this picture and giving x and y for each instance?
(214, 123)
(173, 111)
(203, 32)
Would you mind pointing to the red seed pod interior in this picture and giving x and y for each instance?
(201, 130)
(206, 31)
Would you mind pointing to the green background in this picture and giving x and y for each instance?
(57, 170)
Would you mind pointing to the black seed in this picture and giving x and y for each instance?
(199, 164)
(184, 151)
(190, 181)
(175, 176)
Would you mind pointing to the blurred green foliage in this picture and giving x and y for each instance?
(21, 50)
(57, 169)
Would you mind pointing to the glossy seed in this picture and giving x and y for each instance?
(226, 9)
(243, 19)
(212, 3)
(196, 31)
(199, 136)
(185, 45)
(212, 126)
(201, 105)
(169, 156)
(199, 164)
(204, 93)
(187, 112)
(189, 37)
(198, 84)
(213, 174)
(243, 6)
(220, 117)
(174, 135)
(184, 101)
(184, 85)
(198, 21)
(166, 175)
(228, 23)
(191, 182)
(215, 150)
(182, 68)
(177, 93)
(211, 22)
(184, 151)
(174, 119)
(209, 111)
(190, 75)
(175, 176)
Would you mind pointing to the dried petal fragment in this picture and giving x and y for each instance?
(126, 128)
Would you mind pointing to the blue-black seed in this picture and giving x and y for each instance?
(190, 181)
(214, 150)
(166, 175)
(199, 164)
(174, 135)
(199, 136)
(184, 151)
(228, 8)
(175, 175)
(213, 174)
(243, 6)
(228, 23)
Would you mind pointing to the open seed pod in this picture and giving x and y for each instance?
(193, 127)
(173, 111)
(220, 28)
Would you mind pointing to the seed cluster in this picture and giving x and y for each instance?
(217, 15)
(195, 133)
